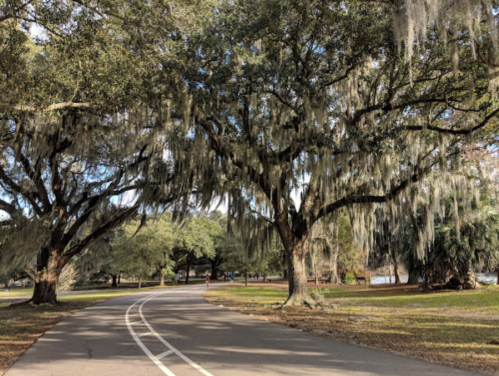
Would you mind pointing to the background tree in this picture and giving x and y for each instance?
(141, 252)
(193, 241)
(73, 166)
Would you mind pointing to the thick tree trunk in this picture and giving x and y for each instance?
(297, 276)
(162, 280)
(115, 280)
(413, 278)
(246, 279)
(215, 263)
(49, 266)
(140, 282)
(497, 272)
(396, 271)
(470, 281)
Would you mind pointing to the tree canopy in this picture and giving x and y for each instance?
(291, 111)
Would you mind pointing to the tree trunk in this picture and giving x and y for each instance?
(413, 278)
(215, 263)
(497, 272)
(162, 280)
(188, 270)
(334, 273)
(115, 280)
(470, 281)
(316, 274)
(246, 279)
(297, 276)
(390, 270)
(49, 265)
(333, 263)
(140, 282)
(119, 278)
(396, 271)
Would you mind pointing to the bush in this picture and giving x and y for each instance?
(349, 280)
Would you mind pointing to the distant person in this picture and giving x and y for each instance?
(225, 277)
(231, 277)
(207, 281)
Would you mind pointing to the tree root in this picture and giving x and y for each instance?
(300, 301)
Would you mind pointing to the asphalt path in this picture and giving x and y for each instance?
(175, 332)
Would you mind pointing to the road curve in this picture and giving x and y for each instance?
(174, 332)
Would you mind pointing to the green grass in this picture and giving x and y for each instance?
(16, 292)
(452, 328)
(484, 301)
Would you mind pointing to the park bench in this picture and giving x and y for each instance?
(360, 279)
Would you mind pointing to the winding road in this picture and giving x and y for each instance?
(175, 332)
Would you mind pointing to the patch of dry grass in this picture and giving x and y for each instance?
(451, 328)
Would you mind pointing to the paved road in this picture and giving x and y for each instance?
(175, 332)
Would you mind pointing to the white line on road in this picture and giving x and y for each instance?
(160, 365)
(172, 350)
(163, 354)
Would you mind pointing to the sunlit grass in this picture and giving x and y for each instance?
(16, 292)
(452, 328)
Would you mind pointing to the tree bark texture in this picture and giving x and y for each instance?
(333, 270)
(396, 271)
(470, 281)
(115, 280)
(297, 276)
(49, 266)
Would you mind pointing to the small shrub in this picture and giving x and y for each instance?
(349, 280)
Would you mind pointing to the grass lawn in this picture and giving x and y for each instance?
(458, 329)
(21, 326)
(21, 292)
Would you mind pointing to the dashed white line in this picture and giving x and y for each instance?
(172, 350)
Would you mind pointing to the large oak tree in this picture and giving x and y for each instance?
(306, 108)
